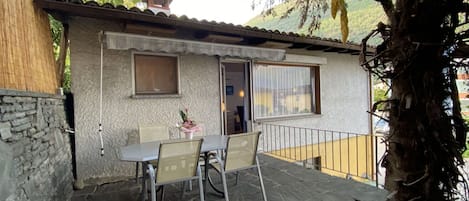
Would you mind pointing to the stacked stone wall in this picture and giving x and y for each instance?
(35, 156)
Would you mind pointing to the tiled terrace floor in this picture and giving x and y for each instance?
(283, 181)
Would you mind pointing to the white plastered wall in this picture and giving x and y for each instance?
(199, 85)
(344, 94)
(344, 98)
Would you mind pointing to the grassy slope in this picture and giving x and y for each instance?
(363, 15)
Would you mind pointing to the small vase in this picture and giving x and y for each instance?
(189, 135)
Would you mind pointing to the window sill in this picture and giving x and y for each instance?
(155, 96)
(287, 117)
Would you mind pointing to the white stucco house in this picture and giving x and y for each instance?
(231, 78)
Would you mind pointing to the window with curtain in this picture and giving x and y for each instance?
(155, 74)
(284, 90)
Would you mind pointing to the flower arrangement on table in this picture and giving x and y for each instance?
(187, 126)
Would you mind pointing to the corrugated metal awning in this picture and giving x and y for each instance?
(125, 41)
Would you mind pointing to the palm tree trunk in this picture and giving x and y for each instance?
(423, 152)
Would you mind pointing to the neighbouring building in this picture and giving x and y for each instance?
(462, 82)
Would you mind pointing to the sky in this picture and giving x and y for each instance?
(229, 11)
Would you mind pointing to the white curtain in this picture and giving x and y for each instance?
(282, 90)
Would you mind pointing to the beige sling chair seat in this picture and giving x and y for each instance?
(149, 134)
(178, 161)
(200, 134)
(241, 154)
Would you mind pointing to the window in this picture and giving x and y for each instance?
(285, 90)
(156, 74)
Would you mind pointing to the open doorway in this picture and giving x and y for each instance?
(236, 83)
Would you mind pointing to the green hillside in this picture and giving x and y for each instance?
(363, 15)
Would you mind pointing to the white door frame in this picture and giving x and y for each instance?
(248, 85)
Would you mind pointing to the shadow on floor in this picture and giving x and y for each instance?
(283, 182)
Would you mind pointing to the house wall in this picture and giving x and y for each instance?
(344, 99)
(344, 95)
(344, 105)
(35, 156)
(199, 85)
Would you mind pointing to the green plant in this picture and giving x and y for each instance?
(379, 95)
(363, 16)
(466, 153)
(127, 3)
(187, 125)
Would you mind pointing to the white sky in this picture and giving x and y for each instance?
(229, 11)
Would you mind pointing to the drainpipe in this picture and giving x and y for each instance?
(370, 127)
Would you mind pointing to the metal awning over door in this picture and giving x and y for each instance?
(125, 41)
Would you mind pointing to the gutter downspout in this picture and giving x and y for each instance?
(370, 128)
(100, 124)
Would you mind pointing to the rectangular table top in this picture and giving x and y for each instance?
(149, 151)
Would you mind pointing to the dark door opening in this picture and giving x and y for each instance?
(69, 113)
(237, 97)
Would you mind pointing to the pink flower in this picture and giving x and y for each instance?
(187, 124)
(194, 128)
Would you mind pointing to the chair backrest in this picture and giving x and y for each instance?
(153, 133)
(178, 160)
(241, 151)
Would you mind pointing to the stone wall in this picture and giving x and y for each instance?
(35, 157)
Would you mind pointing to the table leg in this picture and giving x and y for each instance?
(136, 172)
(207, 177)
(151, 172)
(213, 185)
(206, 160)
(144, 183)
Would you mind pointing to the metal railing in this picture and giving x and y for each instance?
(343, 154)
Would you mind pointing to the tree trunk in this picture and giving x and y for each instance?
(422, 149)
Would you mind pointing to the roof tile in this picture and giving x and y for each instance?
(203, 22)
(149, 12)
(90, 3)
(109, 5)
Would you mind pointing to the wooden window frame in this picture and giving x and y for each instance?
(315, 92)
(178, 76)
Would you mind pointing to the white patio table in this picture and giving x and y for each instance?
(148, 151)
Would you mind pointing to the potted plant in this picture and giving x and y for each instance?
(187, 126)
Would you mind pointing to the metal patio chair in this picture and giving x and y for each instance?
(178, 161)
(149, 134)
(198, 134)
(241, 154)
